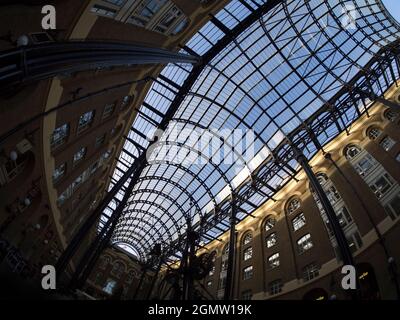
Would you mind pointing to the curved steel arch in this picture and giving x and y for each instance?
(188, 171)
(166, 212)
(195, 94)
(160, 193)
(182, 145)
(145, 239)
(212, 132)
(121, 223)
(136, 238)
(305, 44)
(123, 227)
(194, 202)
(377, 32)
(212, 52)
(317, 121)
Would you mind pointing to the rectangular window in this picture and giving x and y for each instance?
(387, 143)
(64, 196)
(100, 140)
(247, 295)
(104, 11)
(248, 273)
(271, 240)
(77, 182)
(365, 165)
(304, 243)
(354, 241)
(381, 185)
(93, 168)
(59, 136)
(110, 286)
(332, 194)
(108, 110)
(146, 11)
(310, 271)
(118, 3)
(79, 155)
(248, 254)
(11, 169)
(222, 283)
(59, 172)
(125, 101)
(273, 261)
(299, 221)
(168, 19)
(180, 26)
(85, 121)
(275, 286)
(393, 207)
(212, 271)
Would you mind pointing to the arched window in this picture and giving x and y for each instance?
(374, 133)
(247, 238)
(271, 240)
(118, 269)
(270, 223)
(352, 151)
(132, 274)
(214, 256)
(104, 262)
(391, 115)
(387, 143)
(225, 251)
(126, 101)
(293, 205)
(273, 261)
(248, 253)
(322, 178)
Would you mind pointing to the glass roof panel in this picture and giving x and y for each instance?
(272, 77)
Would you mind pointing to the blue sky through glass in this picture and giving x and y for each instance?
(271, 79)
(393, 6)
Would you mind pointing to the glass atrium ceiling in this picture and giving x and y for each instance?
(270, 68)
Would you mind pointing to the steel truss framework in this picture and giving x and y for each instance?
(24, 65)
(296, 73)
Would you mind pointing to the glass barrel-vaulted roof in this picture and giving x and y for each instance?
(270, 67)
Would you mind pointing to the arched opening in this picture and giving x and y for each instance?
(369, 289)
(15, 172)
(316, 294)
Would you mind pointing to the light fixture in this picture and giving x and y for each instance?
(27, 201)
(37, 226)
(13, 155)
(390, 260)
(22, 41)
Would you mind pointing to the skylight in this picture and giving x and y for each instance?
(254, 92)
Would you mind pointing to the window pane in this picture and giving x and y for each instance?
(299, 221)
